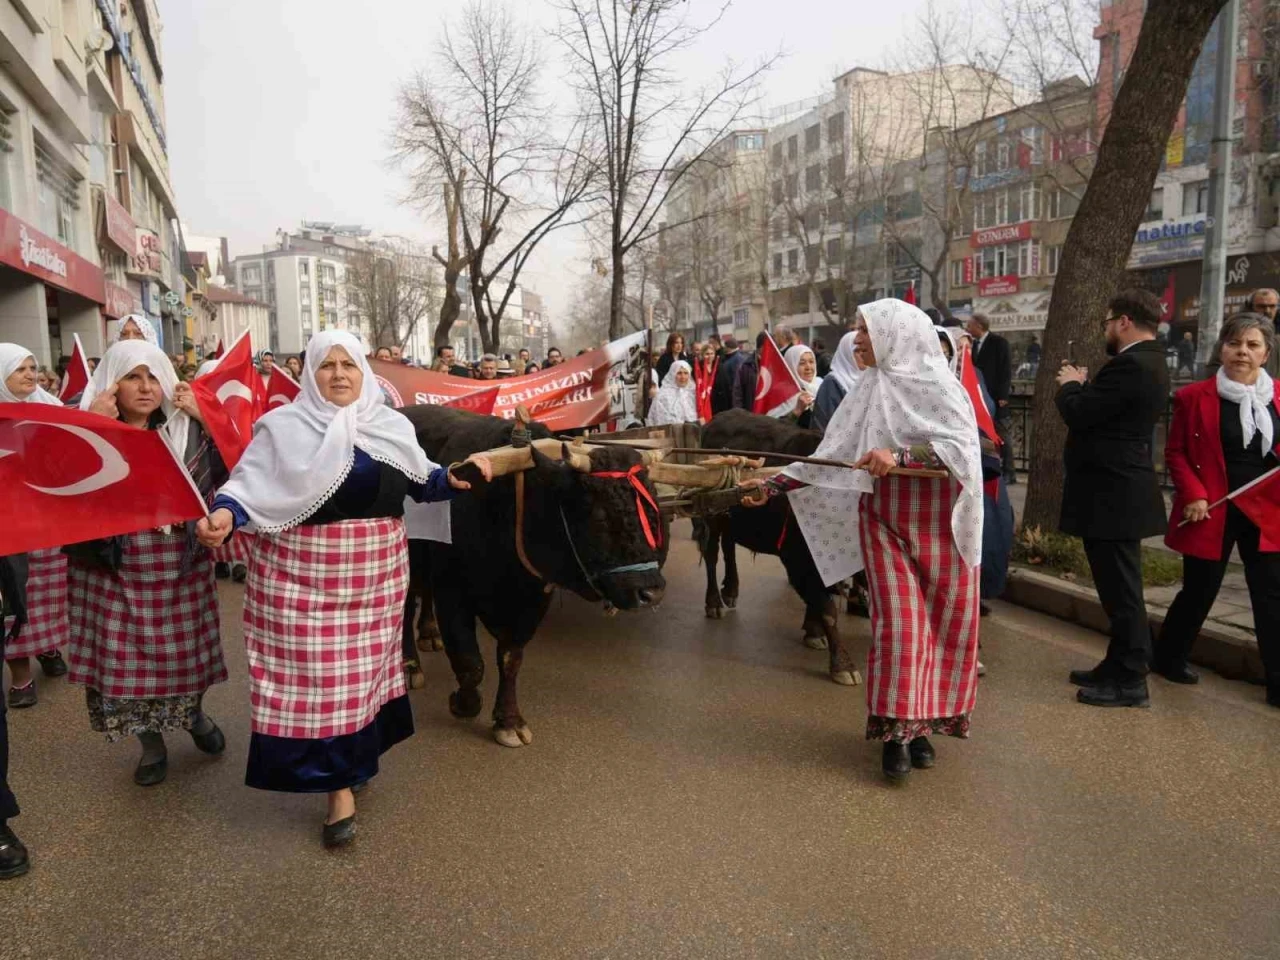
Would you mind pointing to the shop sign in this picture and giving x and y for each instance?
(1018, 311)
(968, 270)
(120, 302)
(998, 286)
(1175, 150)
(25, 248)
(1007, 234)
(147, 259)
(121, 230)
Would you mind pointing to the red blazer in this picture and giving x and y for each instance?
(1199, 470)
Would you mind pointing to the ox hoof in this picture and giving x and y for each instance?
(437, 643)
(465, 704)
(731, 602)
(816, 643)
(413, 673)
(846, 678)
(519, 737)
(429, 638)
(715, 613)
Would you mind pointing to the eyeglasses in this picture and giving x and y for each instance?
(1109, 320)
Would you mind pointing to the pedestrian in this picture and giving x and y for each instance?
(136, 327)
(143, 607)
(554, 358)
(46, 380)
(524, 358)
(823, 358)
(722, 390)
(293, 364)
(673, 352)
(1034, 352)
(1223, 436)
(743, 395)
(382, 353)
(14, 859)
(266, 360)
(705, 370)
(804, 366)
(324, 480)
(488, 369)
(1187, 354)
(994, 360)
(919, 538)
(785, 337)
(1111, 495)
(676, 401)
(46, 629)
(836, 386)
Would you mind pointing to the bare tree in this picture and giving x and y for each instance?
(474, 124)
(393, 288)
(453, 261)
(652, 130)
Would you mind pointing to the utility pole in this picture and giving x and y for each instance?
(1214, 267)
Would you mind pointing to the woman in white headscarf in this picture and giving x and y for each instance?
(677, 399)
(144, 611)
(804, 364)
(46, 598)
(136, 327)
(920, 536)
(324, 483)
(836, 384)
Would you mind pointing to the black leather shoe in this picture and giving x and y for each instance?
(895, 761)
(149, 774)
(22, 697)
(1090, 678)
(14, 861)
(212, 743)
(1112, 693)
(52, 664)
(1176, 674)
(222, 570)
(239, 573)
(339, 834)
(922, 755)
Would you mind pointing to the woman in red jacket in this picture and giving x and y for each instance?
(704, 375)
(1223, 436)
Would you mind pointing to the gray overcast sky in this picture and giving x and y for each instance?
(278, 110)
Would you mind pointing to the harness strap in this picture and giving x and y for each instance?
(786, 523)
(520, 552)
(643, 499)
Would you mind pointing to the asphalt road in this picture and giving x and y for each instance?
(694, 789)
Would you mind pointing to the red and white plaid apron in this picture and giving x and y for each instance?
(322, 618)
(150, 629)
(236, 550)
(46, 629)
(923, 663)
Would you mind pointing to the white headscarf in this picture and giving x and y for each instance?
(207, 367)
(793, 356)
(909, 397)
(843, 367)
(302, 452)
(1253, 400)
(12, 357)
(143, 324)
(957, 336)
(127, 355)
(674, 403)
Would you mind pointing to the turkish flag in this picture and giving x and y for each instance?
(217, 354)
(1260, 502)
(231, 400)
(969, 378)
(479, 401)
(77, 375)
(910, 295)
(70, 476)
(776, 386)
(281, 389)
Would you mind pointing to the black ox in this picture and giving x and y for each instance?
(773, 530)
(586, 526)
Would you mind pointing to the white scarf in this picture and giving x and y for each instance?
(674, 403)
(119, 361)
(302, 452)
(793, 356)
(143, 325)
(12, 357)
(843, 367)
(1253, 400)
(909, 397)
(956, 336)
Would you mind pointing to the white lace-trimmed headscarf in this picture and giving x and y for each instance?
(119, 361)
(12, 356)
(843, 367)
(302, 452)
(793, 356)
(674, 403)
(909, 397)
(143, 324)
(1253, 400)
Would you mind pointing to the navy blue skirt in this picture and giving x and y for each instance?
(297, 765)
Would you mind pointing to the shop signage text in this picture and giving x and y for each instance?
(147, 258)
(25, 248)
(998, 286)
(121, 230)
(33, 251)
(1019, 311)
(1006, 234)
(120, 302)
(1172, 229)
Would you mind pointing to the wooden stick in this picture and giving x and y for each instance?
(816, 461)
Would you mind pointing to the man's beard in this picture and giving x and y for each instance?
(1113, 346)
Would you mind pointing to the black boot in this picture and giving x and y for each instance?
(52, 664)
(895, 760)
(922, 755)
(222, 570)
(14, 861)
(153, 765)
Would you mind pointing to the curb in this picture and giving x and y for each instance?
(1228, 652)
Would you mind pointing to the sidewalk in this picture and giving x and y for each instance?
(1232, 608)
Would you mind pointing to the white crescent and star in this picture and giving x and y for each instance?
(113, 469)
(234, 388)
(278, 398)
(766, 382)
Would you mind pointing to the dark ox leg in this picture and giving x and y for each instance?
(428, 632)
(712, 532)
(458, 627)
(729, 589)
(509, 726)
(820, 611)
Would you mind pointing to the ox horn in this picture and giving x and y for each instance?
(579, 461)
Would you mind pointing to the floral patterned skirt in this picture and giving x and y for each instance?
(119, 718)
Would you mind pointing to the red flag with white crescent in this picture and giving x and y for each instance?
(282, 389)
(969, 379)
(70, 476)
(77, 376)
(217, 354)
(1259, 500)
(776, 386)
(231, 399)
(910, 295)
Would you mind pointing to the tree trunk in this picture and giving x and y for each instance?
(617, 295)
(1097, 246)
(449, 310)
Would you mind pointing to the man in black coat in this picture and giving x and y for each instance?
(1111, 495)
(726, 374)
(994, 360)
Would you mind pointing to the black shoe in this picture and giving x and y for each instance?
(1113, 693)
(339, 834)
(239, 572)
(1178, 674)
(14, 861)
(212, 743)
(221, 570)
(22, 697)
(895, 760)
(149, 774)
(1091, 678)
(983, 610)
(1273, 699)
(922, 755)
(52, 664)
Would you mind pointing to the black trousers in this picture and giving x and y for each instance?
(1201, 580)
(8, 803)
(1117, 575)
(1004, 424)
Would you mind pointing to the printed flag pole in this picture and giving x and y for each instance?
(1239, 490)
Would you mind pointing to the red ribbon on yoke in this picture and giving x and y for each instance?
(642, 497)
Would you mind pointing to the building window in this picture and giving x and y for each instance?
(737, 253)
(957, 273)
(1155, 206)
(777, 264)
(835, 170)
(749, 141)
(1002, 156)
(58, 189)
(793, 147)
(835, 129)
(793, 260)
(835, 251)
(101, 150)
(812, 219)
(1053, 256)
(1062, 204)
(741, 317)
(812, 258)
(1029, 258)
(980, 160)
(1195, 198)
(775, 229)
(813, 138)
(1030, 146)
(304, 269)
(813, 178)
(775, 154)
(250, 276)
(8, 158)
(304, 296)
(777, 191)
(793, 185)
